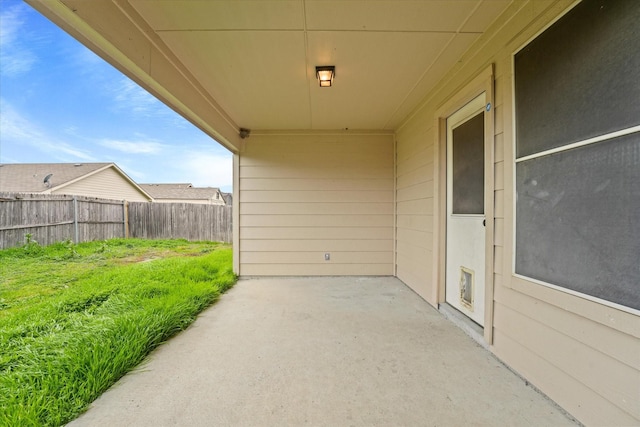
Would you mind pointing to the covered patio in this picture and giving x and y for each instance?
(329, 351)
(484, 153)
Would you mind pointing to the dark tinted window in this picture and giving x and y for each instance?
(468, 167)
(578, 219)
(578, 210)
(580, 78)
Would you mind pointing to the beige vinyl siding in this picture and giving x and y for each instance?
(106, 184)
(583, 354)
(302, 196)
(599, 363)
(415, 204)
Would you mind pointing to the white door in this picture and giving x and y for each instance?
(465, 260)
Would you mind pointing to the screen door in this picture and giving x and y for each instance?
(465, 262)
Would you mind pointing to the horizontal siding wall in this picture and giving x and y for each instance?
(106, 184)
(415, 204)
(582, 354)
(302, 196)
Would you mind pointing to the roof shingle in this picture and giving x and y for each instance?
(29, 177)
(180, 191)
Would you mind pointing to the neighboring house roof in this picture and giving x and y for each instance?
(181, 191)
(228, 198)
(53, 177)
(166, 191)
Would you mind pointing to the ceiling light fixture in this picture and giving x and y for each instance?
(325, 75)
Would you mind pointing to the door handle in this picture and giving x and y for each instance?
(484, 222)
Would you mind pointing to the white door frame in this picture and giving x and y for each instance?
(484, 82)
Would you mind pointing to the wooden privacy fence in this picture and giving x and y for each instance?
(180, 220)
(53, 218)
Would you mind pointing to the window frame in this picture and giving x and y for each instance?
(515, 160)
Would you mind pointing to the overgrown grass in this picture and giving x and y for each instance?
(76, 318)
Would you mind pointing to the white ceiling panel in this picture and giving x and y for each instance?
(485, 14)
(374, 72)
(388, 15)
(256, 58)
(437, 70)
(259, 78)
(189, 15)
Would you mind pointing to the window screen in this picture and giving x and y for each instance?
(580, 78)
(578, 219)
(578, 210)
(468, 167)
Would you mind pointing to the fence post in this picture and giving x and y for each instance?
(75, 218)
(125, 218)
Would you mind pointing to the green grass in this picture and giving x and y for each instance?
(76, 318)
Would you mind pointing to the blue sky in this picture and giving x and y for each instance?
(59, 102)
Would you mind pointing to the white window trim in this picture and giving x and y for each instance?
(600, 138)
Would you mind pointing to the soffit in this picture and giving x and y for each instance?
(257, 58)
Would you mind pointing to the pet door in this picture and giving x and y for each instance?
(466, 287)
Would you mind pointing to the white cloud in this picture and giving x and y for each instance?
(16, 129)
(131, 97)
(15, 58)
(83, 57)
(16, 63)
(208, 170)
(11, 19)
(132, 171)
(71, 130)
(133, 147)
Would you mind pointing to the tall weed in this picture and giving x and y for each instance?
(65, 347)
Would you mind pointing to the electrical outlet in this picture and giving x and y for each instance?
(327, 256)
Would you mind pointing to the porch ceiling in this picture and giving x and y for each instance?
(254, 60)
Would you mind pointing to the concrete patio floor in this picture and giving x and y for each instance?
(338, 351)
